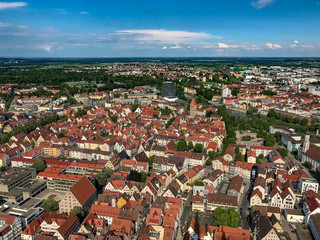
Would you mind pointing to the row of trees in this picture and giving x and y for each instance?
(30, 127)
(50, 205)
(255, 123)
(183, 146)
(137, 176)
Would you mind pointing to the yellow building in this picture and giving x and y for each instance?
(123, 200)
(54, 150)
(197, 203)
(238, 75)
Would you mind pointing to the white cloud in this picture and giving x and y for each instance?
(164, 47)
(252, 47)
(261, 3)
(273, 45)
(166, 36)
(46, 47)
(295, 44)
(176, 47)
(2, 25)
(226, 46)
(84, 13)
(62, 11)
(9, 5)
(23, 27)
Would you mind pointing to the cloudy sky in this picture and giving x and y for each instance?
(150, 28)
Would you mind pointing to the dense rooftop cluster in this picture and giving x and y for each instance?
(229, 161)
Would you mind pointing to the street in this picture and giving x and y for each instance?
(286, 228)
(244, 205)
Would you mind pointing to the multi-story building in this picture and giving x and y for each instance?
(306, 184)
(314, 226)
(27, 211)
(16, 177)
(82, 194)
(14, 223)
(59, 182)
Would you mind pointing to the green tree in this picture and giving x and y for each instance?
(190, 145)
(134, 107)
(198, 148)
(308, 165)
(226, 217)
(134, 176)
(102, 177)
(304, 122)
(8, 103)
(198, 183)
(269, 93)
(239, 157)
(144, 176)
(72, 101)
(246, 138)
(61, 135)
(50, 205)
(208, 162)
(80, 112)
(212, 154)
(271, 113)
(114, 118)
(235, 91)
(277, 136)
(125, 96)
(78, 211)
(283, 152)
(237, 150)
(150, 160)
(181, 145)
(269, 141)
(39, 165)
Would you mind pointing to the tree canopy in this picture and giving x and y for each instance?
(102, 177)
(198, 148)
(283, 152)
(39, 165)
(50, 205)
(226, 217)
(181, 145)
(78, 211)
(308, 165)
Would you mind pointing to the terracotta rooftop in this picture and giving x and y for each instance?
(83, 190)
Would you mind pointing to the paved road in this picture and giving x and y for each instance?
(244, 205)
(286, 228)
(186, 214)
(207, 171)
(179, 233)
(303, 232)
(298, 163)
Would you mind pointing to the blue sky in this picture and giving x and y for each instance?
(167, 28)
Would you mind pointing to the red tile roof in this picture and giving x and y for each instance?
(83, 190)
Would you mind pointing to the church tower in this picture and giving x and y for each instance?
(193, 108)
(306, 144)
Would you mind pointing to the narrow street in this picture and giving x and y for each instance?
(286, 228)
(244, 205)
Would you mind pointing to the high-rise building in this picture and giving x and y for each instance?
(226, 92)
(168, 89)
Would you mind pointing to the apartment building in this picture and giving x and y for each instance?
(82, 194)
